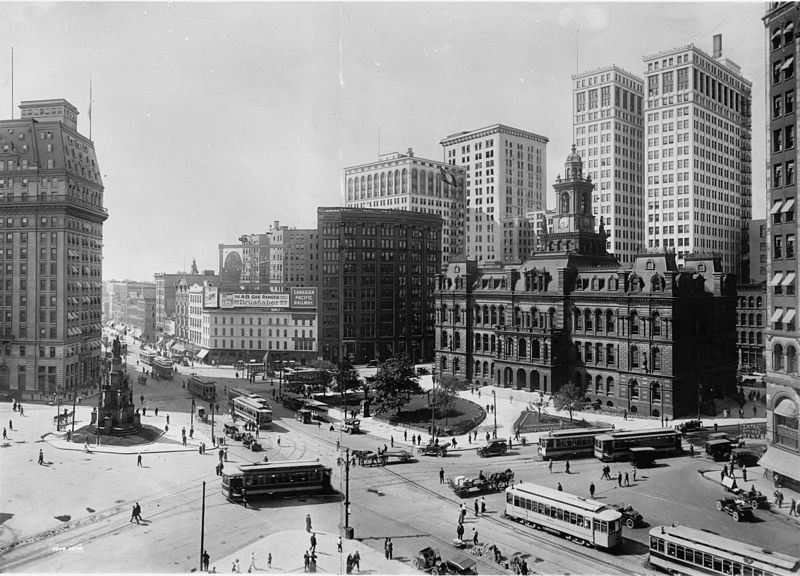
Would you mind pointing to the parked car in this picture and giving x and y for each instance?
(256, 447)
(352, 426)
(630, 516)
(495, 447)
(718, 449)
(427, 559)
(753, 497)
(461, 566)
(736, 507)
(690, 426)
(744, 457)
(433, 450)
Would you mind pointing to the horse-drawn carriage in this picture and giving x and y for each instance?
(369, 458)
(463, 486)
(142, 379)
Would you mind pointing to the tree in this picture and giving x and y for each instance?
(395, 383)
(346, 377)
(568, 396)
(445, 392)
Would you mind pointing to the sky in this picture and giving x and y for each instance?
(213, 120)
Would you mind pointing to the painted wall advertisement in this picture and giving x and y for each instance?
(304, 298)
(210, 297)
(254, 301)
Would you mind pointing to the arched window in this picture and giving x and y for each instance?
(535, 351)
(587, 318)
(759, 320)
(578, 319)
(634, 357)
(578, 348)
(598, 385)
(457, 340)
(444, 312)
(634, 389)
(609, 386)
(443, 363)
(655, 358)
(598, 320)
(655, 391)
(369, 186)
(523, 348)
(743, 319)
(634, 323)
(477, 342)
(456, 365)
(656, 324)
(485, 346)
(422, 182)
(509, 346)
(501, 316)
(750, 302)
(493, 344)
(609, 321)
(588, 352)
(791, 360)
(609, 354)
(350, 189)
(485, 369)
(405, 180)
(598, 353)
(777, 357)
(414, 181)
(759, 302)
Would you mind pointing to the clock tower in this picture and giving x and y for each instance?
(573, 223)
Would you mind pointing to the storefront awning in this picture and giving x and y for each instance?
(788, 63)
(789, 316)
(776, 207)
(776, 33)
(776, 280)
(789, 280)
(786, 408)
(178, 347)
(788, 206)
(202, 354)
(776, 315)
(782, 462)
(789, 28)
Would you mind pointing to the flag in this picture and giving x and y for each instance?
(447, 177)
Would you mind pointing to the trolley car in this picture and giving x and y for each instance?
(569, 443)
(287, 478)
(202, 388)
(578, 519)
(234, 393)
(147, 357)
(684, 550)
(163, 367)
(253, 409)
(617, 445)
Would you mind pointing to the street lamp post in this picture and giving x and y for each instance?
(203, 526)
(213, 403)
(191, 420)
(348, 531)
(494, 411)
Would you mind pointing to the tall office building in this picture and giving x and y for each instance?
(781, 334)
(51, 245)
(377, 282)
(406, 182)
(697, 124)
(506, 171)
(608, 128)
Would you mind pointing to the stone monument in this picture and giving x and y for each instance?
(115, 413)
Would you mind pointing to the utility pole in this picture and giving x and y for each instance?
(203, 526)
(494, 411)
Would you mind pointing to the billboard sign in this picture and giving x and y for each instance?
(304, 298)
(210, 297)
(254, 301)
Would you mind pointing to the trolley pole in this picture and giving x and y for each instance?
(494, 411)
(347, 531)
(213, 403)
(203, 526)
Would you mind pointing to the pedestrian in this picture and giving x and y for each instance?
(252, 567)
(156, 411)
(487, 436)
(483, 505)
(462, 513)
(279, 441)
(244, 497)
(793, 507)
(477, 507)
(167, 419)
(441, 475)
(550, 466)
(460, 531)
(691, 450)
(566, 467)
(308, 522)
(390, 550)
(206, 560)
(624, 414)
(139, 459)
(134, 516)
(41, 457)
(744, 473)
(269, 558)
(619, 479)
(419, 439)
(559, 488)
(755, 409)
(235, 568)
(313, 541)
(5, 434)
(391, 441)
(627, 480)
(474, 536)
(357, 560)
(591, 490)
(339, 543)
(634, 473)
(10, 425)
(724, 470)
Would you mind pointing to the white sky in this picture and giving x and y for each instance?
(214, 120)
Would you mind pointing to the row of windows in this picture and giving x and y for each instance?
(302, 333)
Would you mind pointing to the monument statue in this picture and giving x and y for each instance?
(115, 348)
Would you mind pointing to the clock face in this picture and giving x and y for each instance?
(562, 223)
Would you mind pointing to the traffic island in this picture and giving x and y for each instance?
(145, 434)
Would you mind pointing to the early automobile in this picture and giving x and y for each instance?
(744, 457)
(753, 497)
(256, 446)
(495, 447)
(456, 566)
(737, 507)
(718, 449)
(426, 560)
(352, 426)
(690, 426)
(433, 450)
(630, 516)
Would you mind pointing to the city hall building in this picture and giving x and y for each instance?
(650, 338)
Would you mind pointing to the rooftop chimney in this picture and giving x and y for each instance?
(717, 45)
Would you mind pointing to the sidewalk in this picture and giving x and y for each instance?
(287, 549)
(755, 477)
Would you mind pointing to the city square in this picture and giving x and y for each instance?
(444, 288)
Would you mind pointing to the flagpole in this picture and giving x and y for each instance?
(12, 82)
(90, 107)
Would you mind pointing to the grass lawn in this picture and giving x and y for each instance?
(531, 421)
(462, 417)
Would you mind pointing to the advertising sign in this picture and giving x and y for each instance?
(304, 297)
(254, 301)
(210, 297)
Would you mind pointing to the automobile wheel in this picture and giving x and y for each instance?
(736, 517)
(417, 563)
(503, 452)
(439, 453)
(719, 505)
(435, 570)
(630, 523)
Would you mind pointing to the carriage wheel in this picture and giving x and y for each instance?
(417, 563)
(719, 505)
(630, 523)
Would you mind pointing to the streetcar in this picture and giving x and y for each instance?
(306, 381)
(253, 409)
(147, 357)
(617, 445)
(201, 387)
(683, 550)
(286, 478)
(162, 367)
(569, 443)
(579, 519)
(234, 393)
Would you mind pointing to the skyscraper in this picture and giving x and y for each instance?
(52, 245)
(608, 130)
(781, 335)
(406, 182)
(697, 124)
(506, 177)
